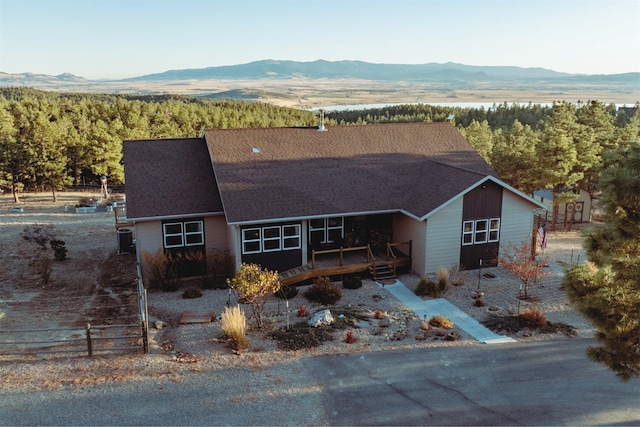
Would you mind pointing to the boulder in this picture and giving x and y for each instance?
(323, 317)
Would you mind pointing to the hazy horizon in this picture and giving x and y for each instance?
(118, 39)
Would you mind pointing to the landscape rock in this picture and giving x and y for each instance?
(323, 317)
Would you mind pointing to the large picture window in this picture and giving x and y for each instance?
(272, 238)
(479, 231)
(182, 234)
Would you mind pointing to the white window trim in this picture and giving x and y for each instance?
(326, 228)
(282, 237)
(485, 230)
(272, 239)
(200, 233)
(474, 231)
(492, 229)
(296, 236)
(165, 234)
(468, 233)
(183, 234)
(245, 240)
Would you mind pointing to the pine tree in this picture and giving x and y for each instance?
(557, 153)
(514, 156)
(607, 290)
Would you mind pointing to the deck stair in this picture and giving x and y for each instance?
(381, 272)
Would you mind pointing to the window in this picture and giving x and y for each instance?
(326, 230)
(291, 236)
(180, 234)
(251, 241)
(271, 239)
(193, 233)
(467, 233)
(480, 231)
(480, 235)
(494, 230)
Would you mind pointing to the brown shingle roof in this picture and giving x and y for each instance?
(169, 177)
(304, 172)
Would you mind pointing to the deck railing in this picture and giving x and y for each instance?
(340, 251)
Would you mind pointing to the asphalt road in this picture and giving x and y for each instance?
(538, 383)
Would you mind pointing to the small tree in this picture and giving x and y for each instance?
(254, 286)
(517, 259)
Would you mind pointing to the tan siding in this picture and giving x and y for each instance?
(148, 237)
(517, 220)
(444, 236)
(216, 233)
(405, 229)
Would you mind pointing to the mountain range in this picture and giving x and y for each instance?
(325, 83)
(321, 69)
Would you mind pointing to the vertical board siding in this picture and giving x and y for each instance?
(444, 237)
(482, 202)
(517, 220)
(406, 228)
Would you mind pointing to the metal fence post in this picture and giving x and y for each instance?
(89, 345)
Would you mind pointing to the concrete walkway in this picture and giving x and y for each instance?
(442, 307)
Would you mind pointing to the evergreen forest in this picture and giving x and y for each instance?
(52, 141)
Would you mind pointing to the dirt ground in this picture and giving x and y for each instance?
(93, 284)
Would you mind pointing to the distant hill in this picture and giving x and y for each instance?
(321, 69)
(343, 82)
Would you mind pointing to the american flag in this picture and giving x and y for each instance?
(542, 236)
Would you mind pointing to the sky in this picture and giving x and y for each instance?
(114, 39)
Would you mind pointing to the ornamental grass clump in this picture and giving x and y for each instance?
(441, 322)
(443, 280)
(427, 288)
(234, 327)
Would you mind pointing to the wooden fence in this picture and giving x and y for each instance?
(88, 339)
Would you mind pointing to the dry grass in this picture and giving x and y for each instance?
(234, 327)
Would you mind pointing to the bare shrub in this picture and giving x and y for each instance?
(323, 291)
(220, 266)
(40, 234)
(43, 267)
(162, 271)
(533, 318)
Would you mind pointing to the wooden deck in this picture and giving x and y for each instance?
(341, 261)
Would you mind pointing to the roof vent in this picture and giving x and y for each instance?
(255, 150)
(321, 127)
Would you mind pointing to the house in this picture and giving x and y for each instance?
(578, 210)
(277, 196)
